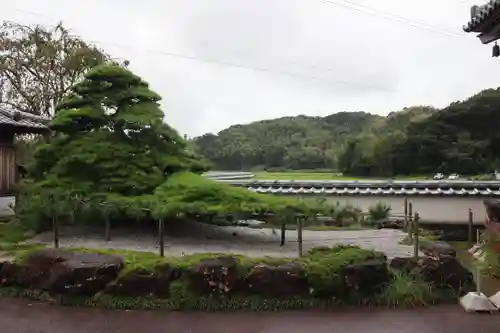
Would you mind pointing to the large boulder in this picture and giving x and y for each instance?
(64, 272)
(438, 249)
(214, 276)
(277, 281)
(84, 274)
(391, 224)
(367, 277)
(143, 283)
(446, 273)
(35, 270)
(8, 273)
(403, 264)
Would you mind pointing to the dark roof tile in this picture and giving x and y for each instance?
(481, 14)
(21, 119)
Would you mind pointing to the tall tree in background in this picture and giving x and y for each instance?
(38, 66)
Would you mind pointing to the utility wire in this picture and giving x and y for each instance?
(396, 16)
(235, 65)
(345, 4)
(354, 6)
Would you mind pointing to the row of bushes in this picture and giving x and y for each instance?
(325, 277)
(338, 214)
(348, 215)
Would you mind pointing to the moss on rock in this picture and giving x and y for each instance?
(216, 282)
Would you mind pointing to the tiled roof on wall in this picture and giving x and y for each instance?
(377, 191)
(384, 188)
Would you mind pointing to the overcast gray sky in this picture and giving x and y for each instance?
(313, 57)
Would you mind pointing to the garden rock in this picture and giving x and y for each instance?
(84, 274)
(391, 224)
(35, 270)
(64, 272)
(367, 277)
(319, 250)
(8, 273)
(438, 249)
(143, 283)
(331, 222)
(214, 276)
(29, 234)
(2, 263)
(278, 281)
(404, 265)
(446, 273)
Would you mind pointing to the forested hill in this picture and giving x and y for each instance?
(463, 138)
(300, 142)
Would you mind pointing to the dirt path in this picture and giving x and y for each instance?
(19, 316)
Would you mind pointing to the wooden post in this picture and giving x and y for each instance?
(471, 222)
(283, 231)
(108, 230)
(299, 235)
(410, 220)
(161, 240)
(406, 212)
(416, 242)
(478, 278)
(55, 231)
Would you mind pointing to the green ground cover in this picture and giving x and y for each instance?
(319, 176)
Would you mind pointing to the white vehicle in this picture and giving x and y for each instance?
(438, 176)
(453, 176)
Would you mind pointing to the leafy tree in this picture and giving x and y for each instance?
(462, 138)
(111, 142)
(113, 147)
(38, 66)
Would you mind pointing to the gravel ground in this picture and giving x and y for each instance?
(196, 238)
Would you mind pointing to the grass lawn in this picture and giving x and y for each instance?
(300, 176)
(318, 176)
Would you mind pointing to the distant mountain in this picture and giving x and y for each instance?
(300, 142)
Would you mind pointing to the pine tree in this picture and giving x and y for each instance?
(110, 141)
(110, 145)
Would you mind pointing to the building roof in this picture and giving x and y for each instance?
(375, 188)
(481, 15)
(23, 120)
